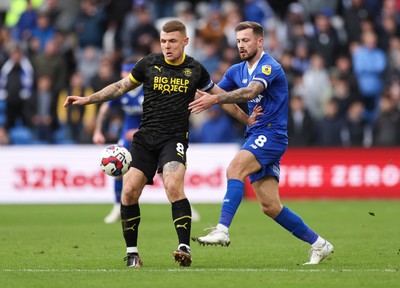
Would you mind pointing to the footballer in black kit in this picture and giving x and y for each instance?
(168, 90)
(170, 80)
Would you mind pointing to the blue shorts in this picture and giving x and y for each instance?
(268, 148)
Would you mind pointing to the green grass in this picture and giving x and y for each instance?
(69, 246)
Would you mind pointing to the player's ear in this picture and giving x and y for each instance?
(261, 41)
(185, 41)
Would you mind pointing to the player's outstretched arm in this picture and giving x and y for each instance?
(205, 100)
(109, 92)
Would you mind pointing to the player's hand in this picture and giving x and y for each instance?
(203, 102)
(257, 111)
(75, 100)
(98, 138)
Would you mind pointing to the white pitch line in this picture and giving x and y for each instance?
(186, 270)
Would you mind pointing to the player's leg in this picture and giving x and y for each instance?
(243, 164)
(173, 161)
(267, 191)
(141, 172)
(115, 212)
(134, 182)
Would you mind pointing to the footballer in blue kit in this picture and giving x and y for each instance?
(267, 139)
(261, 82)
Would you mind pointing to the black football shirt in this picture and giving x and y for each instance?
(168, 90)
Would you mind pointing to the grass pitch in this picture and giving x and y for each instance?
(70, 246)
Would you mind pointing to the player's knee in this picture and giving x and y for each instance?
(129, 199)
(235, 171)
(130, 195)
(174, 190)
(271, 209)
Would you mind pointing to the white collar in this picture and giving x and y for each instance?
(251, 70)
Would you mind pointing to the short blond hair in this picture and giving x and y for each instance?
(174, 25)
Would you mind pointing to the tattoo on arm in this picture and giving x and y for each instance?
(243, 94)
(113, 90)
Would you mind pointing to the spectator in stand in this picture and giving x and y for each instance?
(393, 55)
(341, 93)
(88, 61)
(369, 64)
(388, 11)
(297, 26)
(313, 8)
(209, 55)
(213, 28)
(16, 85)
(4, 40)
(53, 10)
(301, 57)
(144, 33)
(356, 132)
(330, 127)
(77, 119)
(105, 75)
(353, 17)
(44, 31)
(325, 41)
(387, 125)
(234, 17)
(22, 31)
(344, 71)
(90, 25)
(386, 30)
(257, 11)
(286, 61)
(394, 91)
(116, 12)
(51, 63)
(317, 86)
(301, 126)
(43, 106)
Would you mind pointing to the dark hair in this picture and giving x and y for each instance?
(256, 27)
(174, 25)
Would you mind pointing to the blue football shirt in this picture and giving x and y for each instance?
(274, 99)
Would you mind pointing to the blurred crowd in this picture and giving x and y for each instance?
(341, 58)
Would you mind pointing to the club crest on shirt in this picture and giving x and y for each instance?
(187, 72)
(266, 69)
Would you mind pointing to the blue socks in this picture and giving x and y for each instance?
(232, 199)
(295, 225)
(117, 190)
(286, 218)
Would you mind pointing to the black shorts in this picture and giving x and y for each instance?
(151, 153)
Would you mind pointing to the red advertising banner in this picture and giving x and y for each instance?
(339, 173)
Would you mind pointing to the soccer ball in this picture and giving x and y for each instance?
(115, 160)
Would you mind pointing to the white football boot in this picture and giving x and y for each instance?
(319, 253)
(114, 215)
(215, 237)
